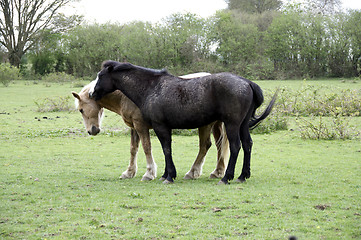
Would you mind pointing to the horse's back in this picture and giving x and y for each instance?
(191, 103)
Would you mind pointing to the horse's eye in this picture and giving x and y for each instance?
(81, 111)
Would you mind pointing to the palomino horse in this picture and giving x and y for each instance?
(92, 113)
(168, 102)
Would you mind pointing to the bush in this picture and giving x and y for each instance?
(323, 128)
(8, 73)
(54, 104)
(311, 101)
(273, 123)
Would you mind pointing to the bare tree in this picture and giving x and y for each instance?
(324, 7)
(21, 22)
(254, 6)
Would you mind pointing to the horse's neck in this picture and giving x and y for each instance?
(136, 86)
(112, 101)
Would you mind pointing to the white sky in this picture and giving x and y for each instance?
(123, 11)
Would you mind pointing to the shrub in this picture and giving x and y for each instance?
(321, 114)
(311, 101)
(59, 77)
(328, 128)
(274, 122)
(8, 73)
(54, 104)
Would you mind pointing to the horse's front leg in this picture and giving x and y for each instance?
(134, 145)
(143, 133)
(165, 138)
(204, 134)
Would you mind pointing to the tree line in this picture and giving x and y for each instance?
(257, 41)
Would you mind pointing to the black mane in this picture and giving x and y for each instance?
(118, 66)
(154, 71)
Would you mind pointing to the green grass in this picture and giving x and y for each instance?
(56, 182)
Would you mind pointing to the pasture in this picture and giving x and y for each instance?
(56, 182)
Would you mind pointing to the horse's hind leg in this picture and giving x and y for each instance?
(221, 140)
(151, 172)
(234, 145)
(204, 134)
(247, 149)
(165, 137)
(134, 145)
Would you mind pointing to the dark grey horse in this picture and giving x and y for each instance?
(168, 102)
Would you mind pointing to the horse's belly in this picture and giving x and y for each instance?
(187, 124)
(186, 119)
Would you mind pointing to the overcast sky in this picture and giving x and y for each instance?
(123, 11)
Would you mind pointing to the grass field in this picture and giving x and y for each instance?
(56, 182)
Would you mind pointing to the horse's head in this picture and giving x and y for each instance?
(90, 110)
(105, 81)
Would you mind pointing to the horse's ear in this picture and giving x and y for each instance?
(109, 65)
(123, 66)
(110, 68)
(76, 95)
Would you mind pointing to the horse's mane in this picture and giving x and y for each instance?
(89, 86)
(84, 89)
(118, 66)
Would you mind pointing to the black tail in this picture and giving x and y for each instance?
(258, 99)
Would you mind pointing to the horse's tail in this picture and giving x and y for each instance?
(258, 100)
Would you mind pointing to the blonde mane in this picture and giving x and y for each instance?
(84, 90)
(84, 93)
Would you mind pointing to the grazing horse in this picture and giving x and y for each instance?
(92, 113)
(168, 102)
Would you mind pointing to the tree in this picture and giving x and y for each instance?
(353, 33)
(237, 43)
(48, 54)
(182, 36)
(254, 6)
(324, 7)
(87, 46)
(21, 21)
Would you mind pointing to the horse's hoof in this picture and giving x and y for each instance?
(239, 180)
(212, 176)
(216, 174)
(146, 178)
(124, 177)
(222, 183)
(244, 176)
(162, 179)
(189, 176)
(168, 182)
(127, 175)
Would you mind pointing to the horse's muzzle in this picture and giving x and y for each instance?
(94, 131)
